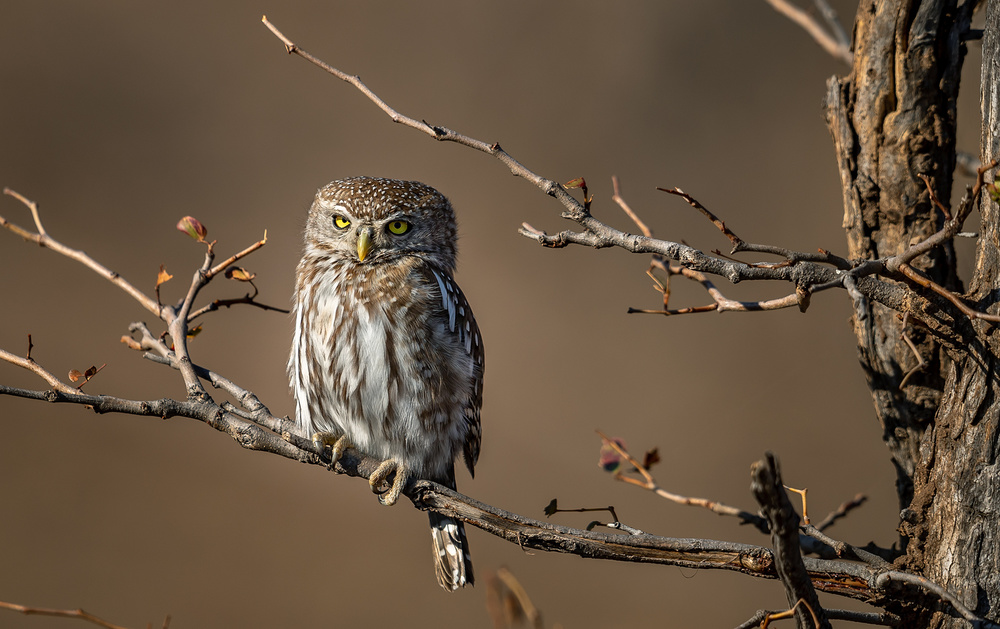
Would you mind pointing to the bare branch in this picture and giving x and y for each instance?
(62, 613)
(833, 21)
(868, 618)
(649, 483)
(767, 488)
(934, 197)
(835, 43)
(919, 279)
(438, 133)
(884, 578)
(805, 270)
(31, 206)
(226, 303)
(618, 199)
(235, 257)
(842, 511)
(259, 430)
(951, 228)
(733, 238)
(44, 240)
(29, 364)
(722, 303)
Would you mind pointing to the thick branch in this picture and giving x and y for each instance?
(770, 494)
(838, 577)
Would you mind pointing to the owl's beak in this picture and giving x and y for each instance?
(364, 244)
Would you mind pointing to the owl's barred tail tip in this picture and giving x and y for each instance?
(452, 563)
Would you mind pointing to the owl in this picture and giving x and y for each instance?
(387, 357)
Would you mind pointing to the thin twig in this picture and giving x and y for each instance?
(842, 511)
(733, 238)
(948, 231)
(722, 303)
(620, 201)
(235, 257)
(916, 353)
(934, 197)
(87, 377)
(835, 44)
(62, 613)
(649, 483)
(917, 278)
(868, 618)
(38, 370)
(44, 240)
(834, 23)
(802, 494)
(31, 206)
(443, 134)
(226, 303)
(789, 613)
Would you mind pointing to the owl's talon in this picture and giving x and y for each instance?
(338, 444)
(389, 496)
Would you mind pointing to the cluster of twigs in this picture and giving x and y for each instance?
(807, 272)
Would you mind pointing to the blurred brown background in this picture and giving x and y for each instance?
(121, 117)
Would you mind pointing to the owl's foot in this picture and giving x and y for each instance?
(390, 496)
(337, 443)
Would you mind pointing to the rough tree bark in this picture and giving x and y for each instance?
(894, 119)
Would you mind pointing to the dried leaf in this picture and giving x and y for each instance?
(239, 274)
(651, 458)
(579, 182)
(610, 461)
(552, 507)
(163, 277)
(90, 372)
(193, 332)
(803, 296)
(193, 228)
(75, 375)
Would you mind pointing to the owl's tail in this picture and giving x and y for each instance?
(452, 562)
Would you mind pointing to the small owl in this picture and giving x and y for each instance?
(387, 357)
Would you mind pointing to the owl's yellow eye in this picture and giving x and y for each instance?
(340, 222)
(399, 227)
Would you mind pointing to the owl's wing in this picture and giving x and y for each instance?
(462, 323)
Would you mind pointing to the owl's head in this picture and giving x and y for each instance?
(367, 220)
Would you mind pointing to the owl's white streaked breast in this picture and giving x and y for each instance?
(381, 385)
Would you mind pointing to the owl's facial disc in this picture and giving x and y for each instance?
(365, 243)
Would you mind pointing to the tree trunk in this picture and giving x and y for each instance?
(893, 119)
